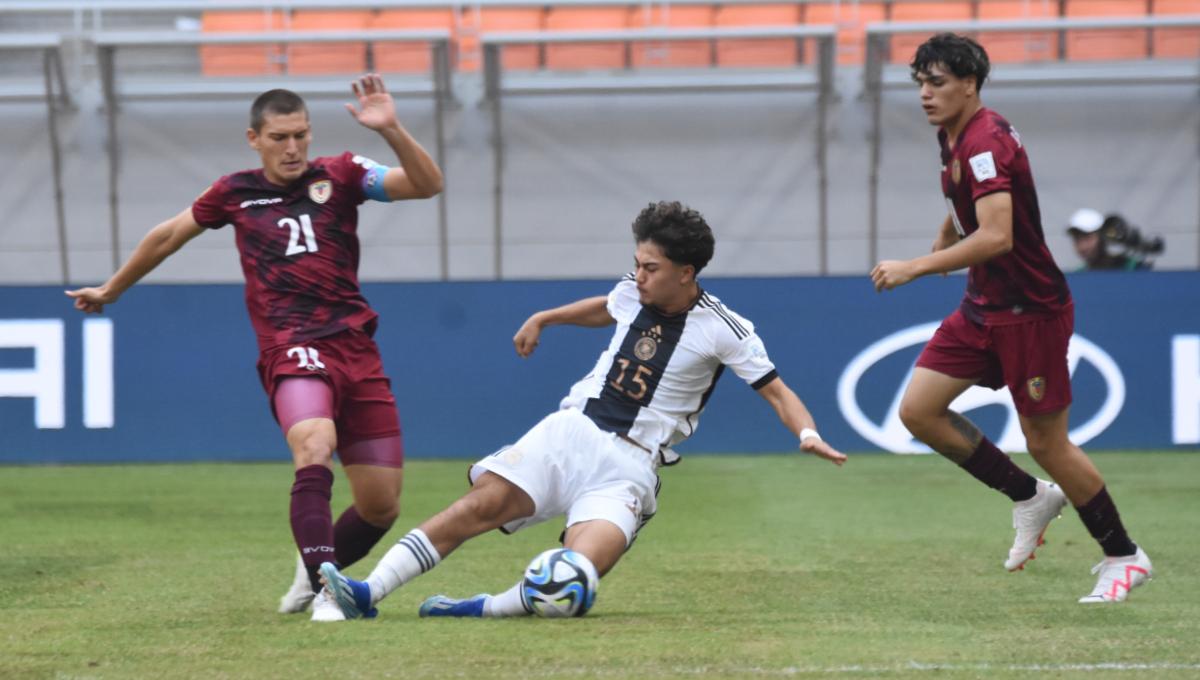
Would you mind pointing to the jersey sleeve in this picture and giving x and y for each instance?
(623, 304)
(740, 348)
(989, 162)
(209, 210)
(351, 170)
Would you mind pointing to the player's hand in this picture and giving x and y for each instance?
(376, 109)
(91, 300)
(821, 449)
(891, 273)
(526, 339)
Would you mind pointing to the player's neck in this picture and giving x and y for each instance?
(955, 127)
(684, 303)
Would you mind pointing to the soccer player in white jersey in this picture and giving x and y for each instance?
(595, 460)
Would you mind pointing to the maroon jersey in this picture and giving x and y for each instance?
(1025, 282)
(298, 245)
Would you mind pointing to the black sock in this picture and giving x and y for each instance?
(989, 465)
(1103, 522)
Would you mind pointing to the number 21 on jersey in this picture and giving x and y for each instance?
(303, 227)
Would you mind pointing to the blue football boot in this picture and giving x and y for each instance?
(440, 605)
(353, 597)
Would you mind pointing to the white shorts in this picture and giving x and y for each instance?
(568, 466)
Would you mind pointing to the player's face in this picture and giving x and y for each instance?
(662, 283)
(282, 143)
(944, 96)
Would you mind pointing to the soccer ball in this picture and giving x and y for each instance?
(559, 583)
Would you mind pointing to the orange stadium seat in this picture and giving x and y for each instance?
(410, 57)
(851, 20)
(904, 46)
(240, 60)
(321, 58)
(586, 55)
(683, 53)
(757, 52)
(1019, 47)
(1106, 44)
(1176, 43)
(500, 20)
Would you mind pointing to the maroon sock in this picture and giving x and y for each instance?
(312, 524)
(989, 465)
(353, 537)
(1103, 522)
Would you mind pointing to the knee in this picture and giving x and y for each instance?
(313, 448)
(1040, 444)
(379, 514)
(915, 418)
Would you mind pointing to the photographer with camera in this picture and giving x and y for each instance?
(1110, 242)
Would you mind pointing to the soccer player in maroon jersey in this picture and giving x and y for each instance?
(296, 224)
(1013, 325)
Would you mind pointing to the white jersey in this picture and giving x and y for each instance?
(658, 372)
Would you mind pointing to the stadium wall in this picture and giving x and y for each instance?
(578, 168)
(168, 373)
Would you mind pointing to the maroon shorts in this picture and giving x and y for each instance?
(363, 406)
(1029, 357)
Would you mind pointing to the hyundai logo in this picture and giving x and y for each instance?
(891, 435)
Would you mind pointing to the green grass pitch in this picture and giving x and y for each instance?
(756, 566)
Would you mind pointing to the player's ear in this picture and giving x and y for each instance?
(687, 274)
(252, 138)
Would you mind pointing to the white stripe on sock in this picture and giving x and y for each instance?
(412, 556)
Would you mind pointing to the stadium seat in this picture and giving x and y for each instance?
(498, 20)
(324, 58)
(410, 57)
(1106, 45)
(904, 46)
(757, 52)
(240, 60)
(586, 56)
(683, 53)
(851, 20)
(1176, 43)
(1010, 47)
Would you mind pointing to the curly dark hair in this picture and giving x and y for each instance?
(958, 54)
(275, 102)
(681, 232)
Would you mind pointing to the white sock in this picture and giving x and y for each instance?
(412, 556)
(507, 603)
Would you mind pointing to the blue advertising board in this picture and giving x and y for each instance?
(168, 373)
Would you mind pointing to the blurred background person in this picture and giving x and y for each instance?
(1110, 242)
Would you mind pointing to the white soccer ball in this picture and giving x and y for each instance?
(559, 583)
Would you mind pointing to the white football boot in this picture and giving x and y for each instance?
(300, 595)
(325, 607)
(1118, 576)
(1030, 519)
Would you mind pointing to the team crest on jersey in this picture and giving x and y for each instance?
(320, 191)
(1036, 387)
(645, 348)
(956, 171)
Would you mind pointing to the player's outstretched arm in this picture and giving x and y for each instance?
(993, 238)
(590, 312)
(156, 246)
(418, 175)
(795, 416)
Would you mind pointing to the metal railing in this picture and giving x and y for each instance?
(877, 76)
(50, 45)
(437, 88)
(818, 78)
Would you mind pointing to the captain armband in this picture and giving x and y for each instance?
(372, 183)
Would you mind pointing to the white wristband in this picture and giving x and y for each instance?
(808, 432)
